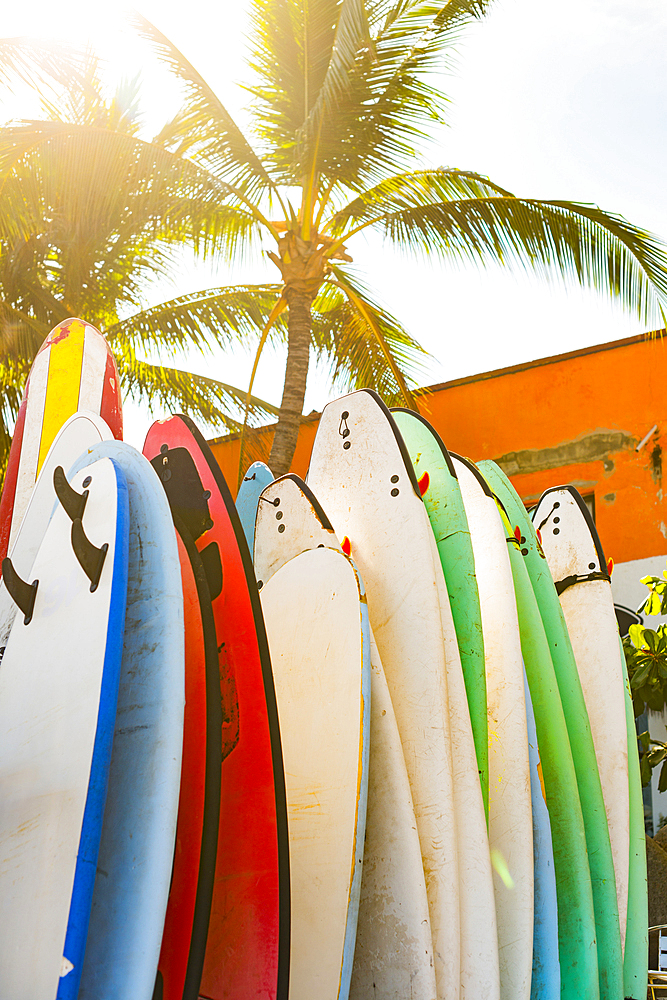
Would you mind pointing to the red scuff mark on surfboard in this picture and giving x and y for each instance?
(346, 546)
(423, 483)
(610, 566)
(539, 535)
(517, 534)
(63, 335)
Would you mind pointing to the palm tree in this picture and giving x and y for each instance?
(342, 99)
(83, 234)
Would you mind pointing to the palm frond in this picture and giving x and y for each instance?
(215, 317)
(416, 189)
(367, 76)
(204, 129)
(463, 217)
(37, 62)
(209, 400)
(366, 346)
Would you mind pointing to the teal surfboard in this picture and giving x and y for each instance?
(576, 920)
(545, 983)
(442, 498)
(603, 882)
(255, 480)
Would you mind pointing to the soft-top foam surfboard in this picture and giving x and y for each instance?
(137, 845)
(318, 637)
(247, 949)
(393, 955)
(576, 560)
(437, 480)
(479, 956)
(545, 983)
(80, 432)
(583, 754)
(510, 815)
(73, 370)
(362, 475)
(255, 480)
(393, 949)
(576, 922)
(289, 520)
(58, 694)
(188, 909)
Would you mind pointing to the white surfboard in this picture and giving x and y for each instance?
(510, 812)
(393, 956)
(289, 520)
(137, 846)
(320, 657)
(363, 477)
(80, 432)
(58, 692)
(580, 574)
(480, 971)
(393, 950)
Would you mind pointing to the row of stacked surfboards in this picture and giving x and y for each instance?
(367, 735)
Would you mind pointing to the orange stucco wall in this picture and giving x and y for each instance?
(576, 418)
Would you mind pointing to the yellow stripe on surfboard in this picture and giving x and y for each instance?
(63, 384)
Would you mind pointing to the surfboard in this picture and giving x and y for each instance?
(545, 982)
(393, 955)
(576, 560)
(81, 431)
(290, 519)
(318, 639)
(362, 475)
(442, 498)
(137, 846)
(510, 814)
(191, 890)
(576, 928)
(393, 949)
(583, 754)
(73, 370)
(58, 694)
(444, 506)
(255, 480)
(247, 945)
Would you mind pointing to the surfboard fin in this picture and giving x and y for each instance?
(23, 594)
(210, 557)
(91, 559)
(73, 503)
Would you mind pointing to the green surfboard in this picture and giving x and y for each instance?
(603, 882)
(444, 506)
(576, 919)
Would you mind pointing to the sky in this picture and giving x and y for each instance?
(551, 100)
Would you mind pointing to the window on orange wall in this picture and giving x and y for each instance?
(589, 500)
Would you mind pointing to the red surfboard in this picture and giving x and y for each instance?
(74, 370)
(247, 946)
(181, 959)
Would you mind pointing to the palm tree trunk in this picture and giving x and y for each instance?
(296, 375)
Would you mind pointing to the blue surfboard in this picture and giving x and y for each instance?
(255, 480)
(545, 982)
(137, 844)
